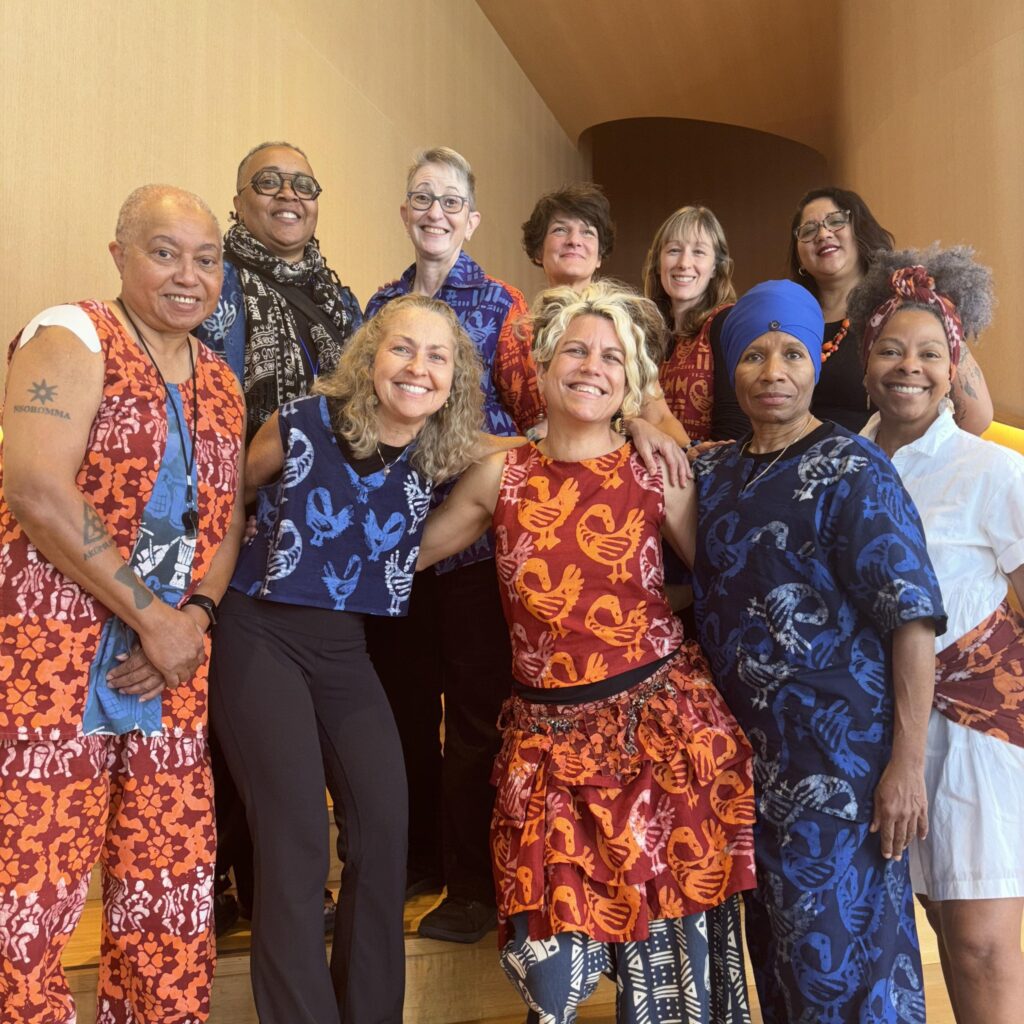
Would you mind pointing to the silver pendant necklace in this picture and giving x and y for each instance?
(743, 451)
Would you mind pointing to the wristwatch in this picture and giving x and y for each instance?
(207, 604)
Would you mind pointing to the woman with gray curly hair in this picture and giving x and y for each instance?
(621, 831)
(913, 311)
(343, 480)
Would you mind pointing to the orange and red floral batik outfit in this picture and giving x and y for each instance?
(628, 797)
(140, 805)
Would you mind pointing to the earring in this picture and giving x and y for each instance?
(802, 272)
(447, 403)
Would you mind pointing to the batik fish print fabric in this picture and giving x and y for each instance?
(49, 625)
(803, 569)
(327, 537)
(141, 806)
(494, 315)
(579, 563)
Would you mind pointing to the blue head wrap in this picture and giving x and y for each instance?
(773, 306)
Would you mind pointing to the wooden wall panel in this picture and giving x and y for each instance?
(933, 137)
(100, 96)
(752, 181)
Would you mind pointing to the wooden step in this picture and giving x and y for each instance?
(446, 982)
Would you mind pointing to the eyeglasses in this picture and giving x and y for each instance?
(425, 200)
(834, 221)
(270, 183)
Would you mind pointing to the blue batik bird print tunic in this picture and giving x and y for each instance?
(328, 537)
(804, 567)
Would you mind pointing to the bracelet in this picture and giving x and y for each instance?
(207, 604)
(692, 443)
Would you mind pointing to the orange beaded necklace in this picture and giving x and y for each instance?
(832, 345)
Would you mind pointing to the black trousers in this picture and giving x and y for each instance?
(297, 705)
(454, 641)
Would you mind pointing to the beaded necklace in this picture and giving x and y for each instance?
(832, 345)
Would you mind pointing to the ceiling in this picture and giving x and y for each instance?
(761, 64)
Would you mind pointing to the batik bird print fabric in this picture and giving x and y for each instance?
(805, 565)
(830, 927)
(803, 569)
(579, 562)
(327, 537)
(613, 812)
(49, 625)
(979, 680)
(141, 806)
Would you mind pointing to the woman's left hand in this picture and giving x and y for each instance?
(651, 442)
(901, 807)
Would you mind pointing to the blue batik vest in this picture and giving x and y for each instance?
(328, 538)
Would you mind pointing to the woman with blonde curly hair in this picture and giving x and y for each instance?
(621, 831)
(343, 480)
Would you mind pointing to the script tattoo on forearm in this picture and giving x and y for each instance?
(142, 596)
(40, 396)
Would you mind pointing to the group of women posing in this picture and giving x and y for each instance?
(850, 692)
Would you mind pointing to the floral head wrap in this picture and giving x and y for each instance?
(914, 286)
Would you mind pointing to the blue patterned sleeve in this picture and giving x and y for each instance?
(223, 331)
(881, 558)
(352, 307)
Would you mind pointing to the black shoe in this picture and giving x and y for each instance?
(330, 910)
(225, 913)
(417, 885)
(457, 919)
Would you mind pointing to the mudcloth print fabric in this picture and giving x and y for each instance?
(688, 377)
(162, 557)
(678, 974)
(49, 625)
(327, 537)
(492, 314)
(804, 567)
(141, 806)
(613, 812)
(979, 680)
(274, 349)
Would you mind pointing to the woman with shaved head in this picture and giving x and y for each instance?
(120, 525)
(283, 315)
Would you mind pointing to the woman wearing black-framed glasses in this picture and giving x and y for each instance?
(833, 237)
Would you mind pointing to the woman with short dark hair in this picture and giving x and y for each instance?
(570, 233)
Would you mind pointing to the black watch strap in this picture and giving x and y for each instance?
(207, 604)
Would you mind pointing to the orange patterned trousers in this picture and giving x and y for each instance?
(143, 808)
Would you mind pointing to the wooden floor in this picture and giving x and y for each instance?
(442, 978)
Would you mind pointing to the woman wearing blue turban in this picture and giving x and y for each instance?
(817, 607)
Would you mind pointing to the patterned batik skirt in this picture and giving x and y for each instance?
(628, 809)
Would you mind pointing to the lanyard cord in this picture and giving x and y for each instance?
(190, 517)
